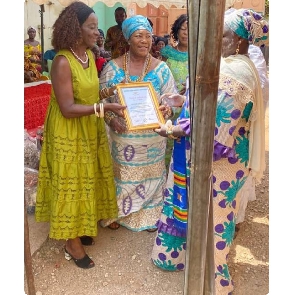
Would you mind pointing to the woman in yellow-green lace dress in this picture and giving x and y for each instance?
(76, 183)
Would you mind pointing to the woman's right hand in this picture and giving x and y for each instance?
(115, 107)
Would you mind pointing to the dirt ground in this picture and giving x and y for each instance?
(123, 265)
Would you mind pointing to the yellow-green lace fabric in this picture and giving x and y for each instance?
(76, 182)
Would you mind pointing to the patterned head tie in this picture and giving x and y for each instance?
(31, 28)
(134, 23)
(248, 24)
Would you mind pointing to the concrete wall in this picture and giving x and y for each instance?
(105, 14)
(257, 5)
(161, 17)
(32, 18)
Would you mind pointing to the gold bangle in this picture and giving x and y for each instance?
(106, 92)
(101, 110)
(102, 93)
(95, 110)
(169, 132)
(109, 115)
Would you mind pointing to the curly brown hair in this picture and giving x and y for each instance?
(67, 28)
(177, 25)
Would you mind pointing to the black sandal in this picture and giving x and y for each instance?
(84, 262)
(87, 241)
(151, 230)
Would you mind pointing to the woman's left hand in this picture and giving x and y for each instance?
(162, 130)
(172, 99)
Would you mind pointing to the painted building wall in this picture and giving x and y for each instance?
(162, 17)
(257, 5)
(32, 18)
(105, 14)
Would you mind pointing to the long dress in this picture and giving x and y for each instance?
(76, 181)
(238, 146)
(170, 243)
(177, 61)
(138, 157)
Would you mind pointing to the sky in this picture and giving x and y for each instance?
(281, 109)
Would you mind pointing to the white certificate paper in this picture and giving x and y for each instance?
(140, 106)
(142, 110)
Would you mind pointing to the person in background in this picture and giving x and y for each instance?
(100, 43)
(100, 62)
(31, 74)
(115, 41)
(176, 57)
(32, 49)
(138, 156)
(153, 48)
(48, 55)
(168, 37)
(160, 43)
(76, 185)
(238, 151)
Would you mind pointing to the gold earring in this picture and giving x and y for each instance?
(238, 48)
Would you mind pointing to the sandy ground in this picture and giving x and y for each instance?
(123, 265)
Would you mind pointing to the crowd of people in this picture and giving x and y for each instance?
(95, 172)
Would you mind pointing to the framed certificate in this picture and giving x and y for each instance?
(142, 110)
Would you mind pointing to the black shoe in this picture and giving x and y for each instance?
(84, 262)
(87, 241)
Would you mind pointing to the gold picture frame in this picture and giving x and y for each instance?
(142, 110)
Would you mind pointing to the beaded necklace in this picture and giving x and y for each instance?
(82, 61)
(126, 64)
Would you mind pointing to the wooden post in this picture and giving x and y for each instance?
(205, 37)
(28, 256)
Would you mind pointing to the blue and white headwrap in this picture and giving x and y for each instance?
(248, 24)
(134, 23)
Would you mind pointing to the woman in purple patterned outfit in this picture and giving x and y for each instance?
(238, 151)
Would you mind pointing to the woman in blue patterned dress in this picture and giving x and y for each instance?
(138, 156)
(238, 151)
